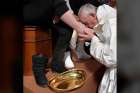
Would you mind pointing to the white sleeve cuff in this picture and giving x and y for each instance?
(95, 39)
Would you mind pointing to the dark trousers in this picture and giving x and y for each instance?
(61, 35)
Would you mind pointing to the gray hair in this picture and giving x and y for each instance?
(87, 9)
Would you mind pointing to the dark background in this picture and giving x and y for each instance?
(11, 19)
(128, 46)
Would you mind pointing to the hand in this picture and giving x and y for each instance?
(87, 35)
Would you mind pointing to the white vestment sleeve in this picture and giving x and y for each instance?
(105, 50)
(105, 12)
(102, 52)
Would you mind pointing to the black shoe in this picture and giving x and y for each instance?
(39, 64)
(58, 67)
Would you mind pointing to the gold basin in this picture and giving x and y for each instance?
(68, 81)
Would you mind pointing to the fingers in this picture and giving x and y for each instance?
(89, 31)
(86, 35)
(83, 37)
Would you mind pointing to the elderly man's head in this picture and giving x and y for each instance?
(87, 15)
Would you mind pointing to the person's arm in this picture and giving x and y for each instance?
(104, 54)
(67, 16)
(70, 19)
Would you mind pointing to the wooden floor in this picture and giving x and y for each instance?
(94, 72)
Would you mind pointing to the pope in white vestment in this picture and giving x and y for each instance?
(103, 44)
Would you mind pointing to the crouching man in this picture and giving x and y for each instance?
(102, 41)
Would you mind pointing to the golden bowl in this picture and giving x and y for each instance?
(68, 81)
